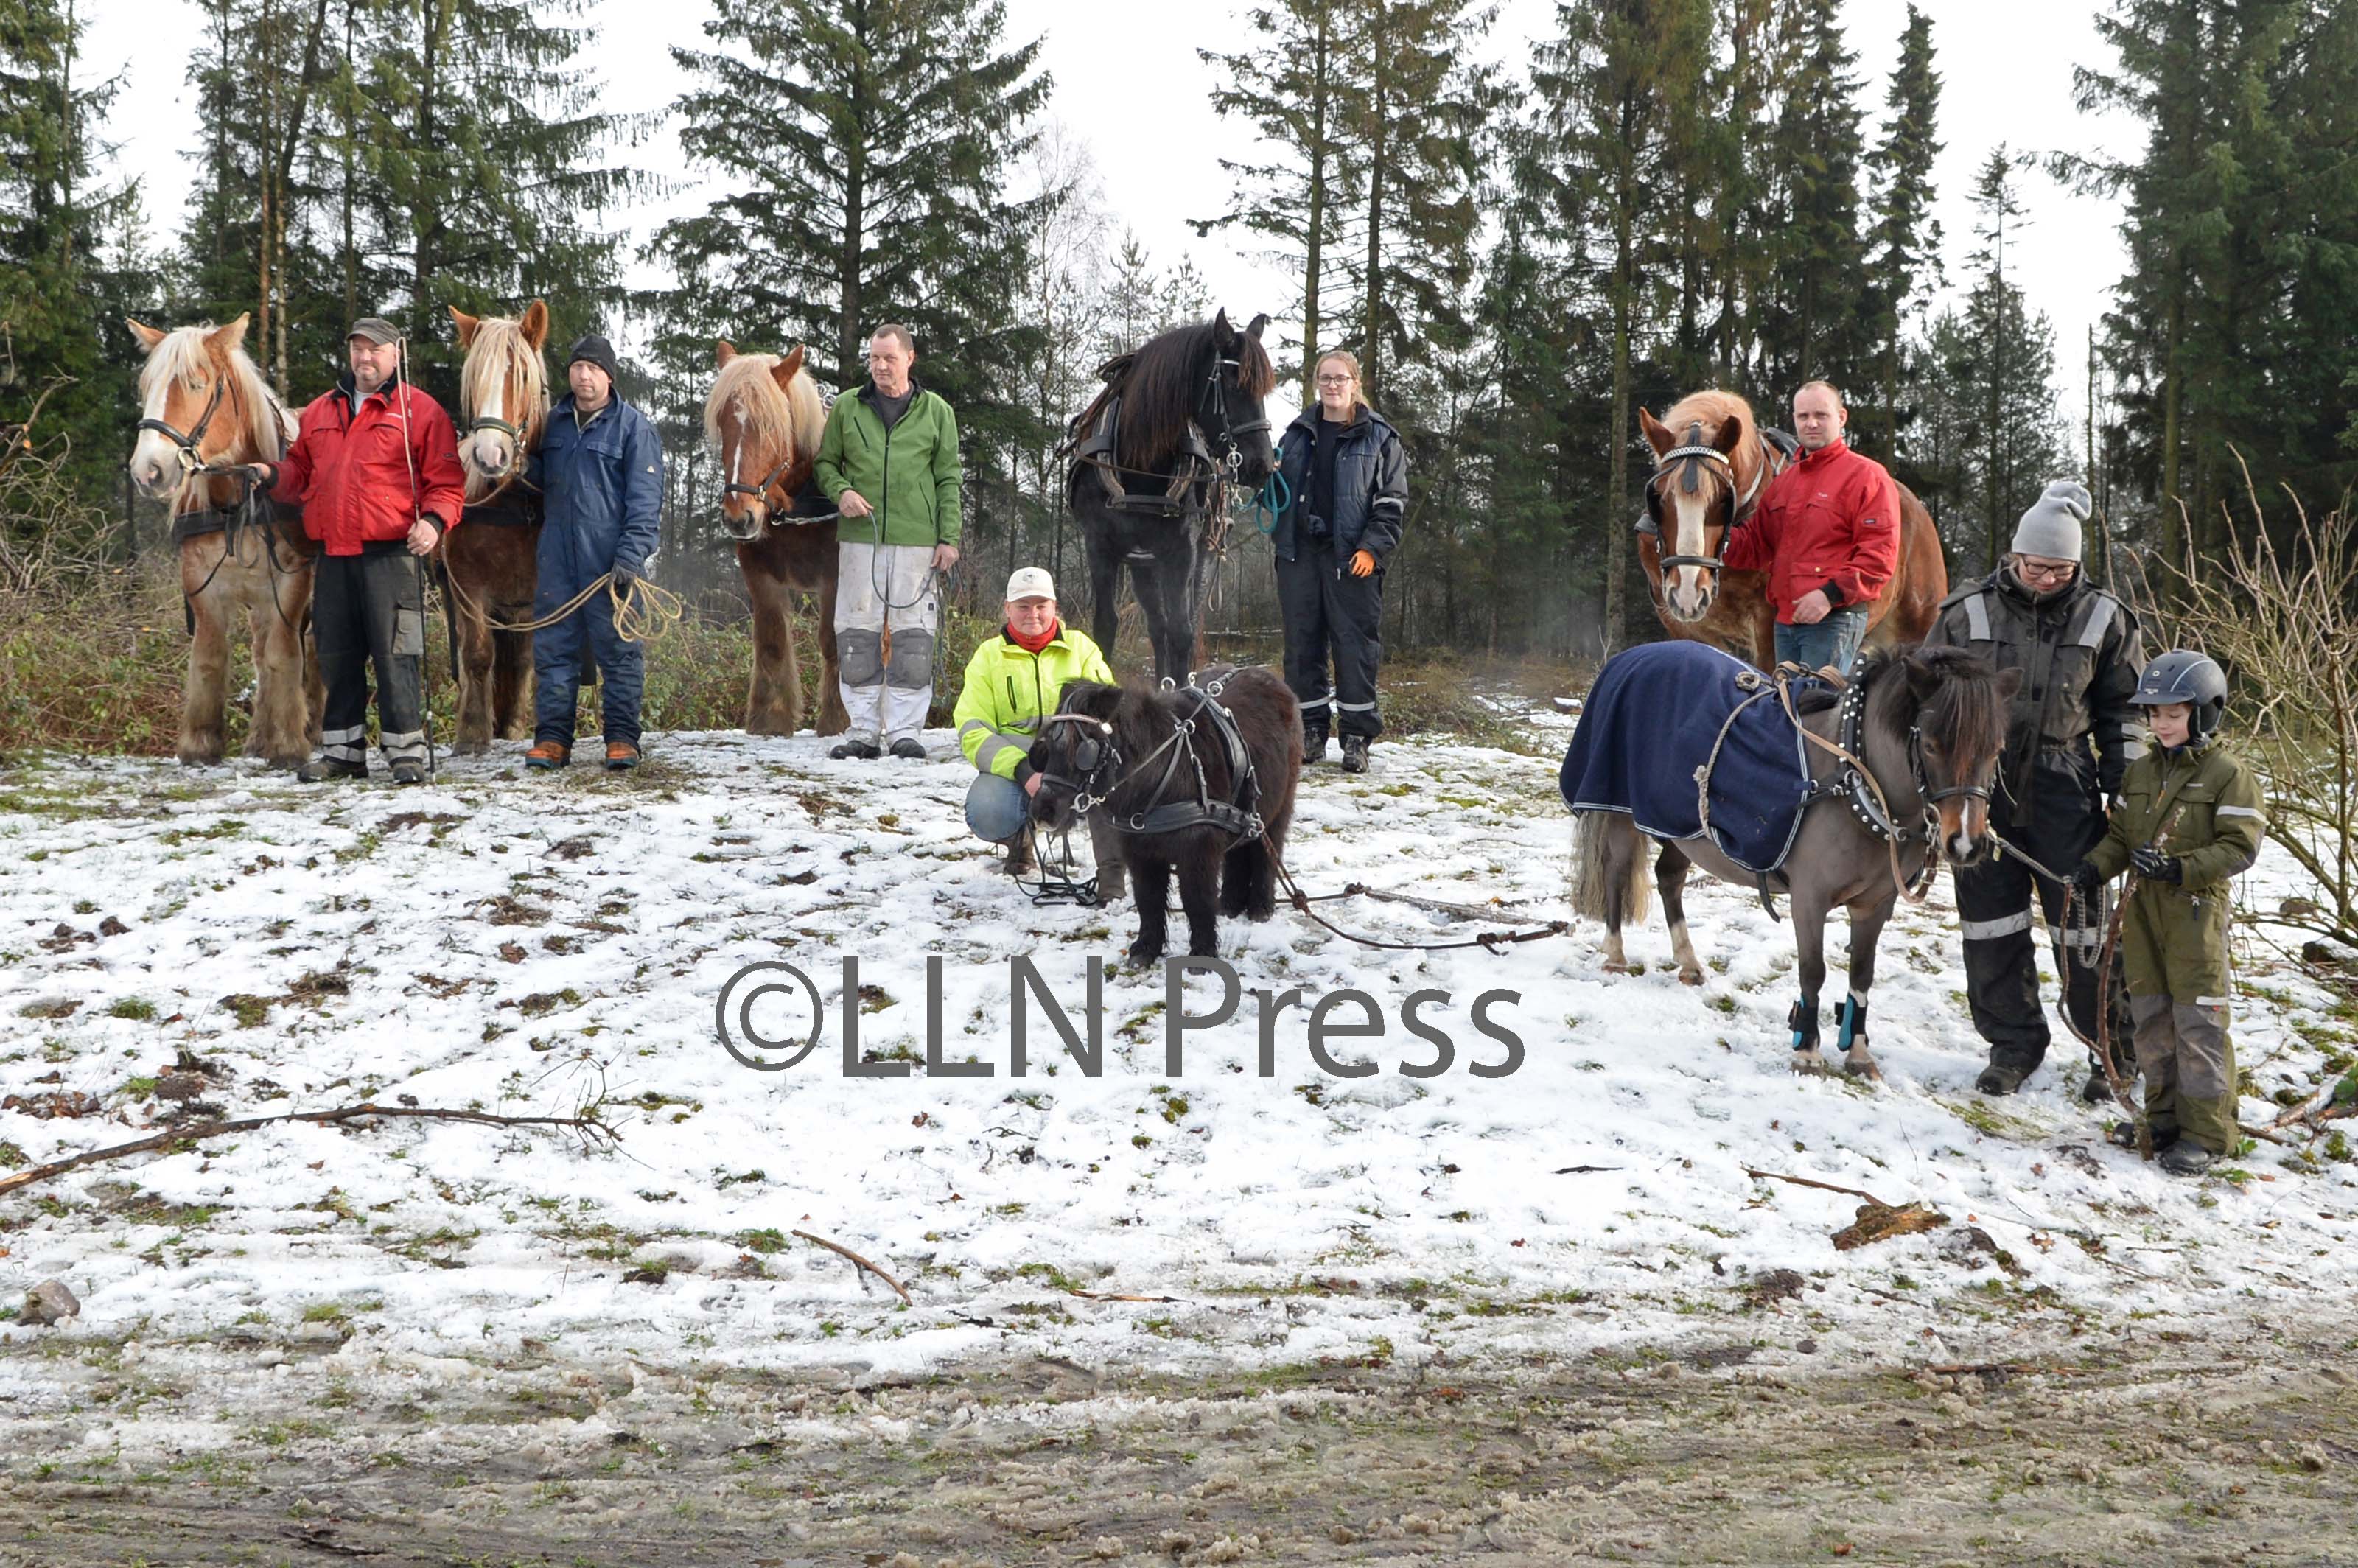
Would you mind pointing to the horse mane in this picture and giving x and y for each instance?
(776, 418)
(185, 352)
(499, 346)
(1159, 392)
(1964, 715)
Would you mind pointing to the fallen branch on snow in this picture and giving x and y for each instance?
(838, 1247)
(1822, 1186)
(1095, 1296)
(595, 1133)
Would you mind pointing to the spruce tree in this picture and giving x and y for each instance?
(1294, 84)
(1907, 237)
(1812, 326)
(866, 145)
(53, 333)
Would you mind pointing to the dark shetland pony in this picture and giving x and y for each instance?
(1116, 743)
(1174, 416)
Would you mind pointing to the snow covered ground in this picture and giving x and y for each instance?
(512, 943)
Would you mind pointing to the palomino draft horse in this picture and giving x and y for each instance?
(1926, 729)
(1179, 421)
(1711, 462)
(205, 412)
(492, 563)
(765, 416)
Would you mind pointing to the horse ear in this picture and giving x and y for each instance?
(1923, 677)
(231, 335)
(148, 336)
(786, 369)
(1258, 322)
(1730, 437)
(1223, 333)
(727, 351)
(534, 324)
(1658, 435)
(467, 326)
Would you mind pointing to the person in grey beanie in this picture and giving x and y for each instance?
(2072, 733)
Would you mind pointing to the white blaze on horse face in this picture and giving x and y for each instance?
(156, 465)
(1689, 589)
(490, 448)
(755, 507)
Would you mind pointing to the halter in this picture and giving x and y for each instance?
(1235, 816)
(1696, 450)
(761, 492)
(515, 445)
(189, 447)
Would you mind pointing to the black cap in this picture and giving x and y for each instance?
(598, 352)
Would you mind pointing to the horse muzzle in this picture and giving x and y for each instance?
(745, 523)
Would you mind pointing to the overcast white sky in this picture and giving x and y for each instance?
(2007, 69)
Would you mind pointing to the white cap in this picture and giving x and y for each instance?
(1030, 582)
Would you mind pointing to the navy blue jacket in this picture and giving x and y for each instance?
(1370, 486)
(602, 497)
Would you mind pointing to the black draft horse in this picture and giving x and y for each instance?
(1179, 419)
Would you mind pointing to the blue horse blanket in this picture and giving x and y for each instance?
(1651, 721)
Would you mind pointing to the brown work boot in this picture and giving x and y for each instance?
(1019, 861)
(547, 755)
(620, 755)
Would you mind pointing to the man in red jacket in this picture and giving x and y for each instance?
(1826, 532)
(375, 468)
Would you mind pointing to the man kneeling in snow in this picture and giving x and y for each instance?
(1013, 681)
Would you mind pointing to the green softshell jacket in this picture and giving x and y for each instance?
(2174, 937)
(1009, 689)
(909, 474)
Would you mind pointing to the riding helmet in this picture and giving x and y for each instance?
(2185, 676)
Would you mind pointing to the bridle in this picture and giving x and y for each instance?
(1681, 460)
(1232, 452)
(760, 492)
(1097, 755)
(1094, 756)
(189, 447)
(515, 445)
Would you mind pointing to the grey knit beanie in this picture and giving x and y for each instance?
(2051, 528)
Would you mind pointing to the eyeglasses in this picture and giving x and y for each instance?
(1333, 381)
(2059, 572)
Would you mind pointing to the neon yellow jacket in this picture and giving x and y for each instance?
(1009, 689)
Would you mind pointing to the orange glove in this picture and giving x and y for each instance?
(1363, 564)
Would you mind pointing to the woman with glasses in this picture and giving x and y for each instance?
(2071, 736)
(1347, 478)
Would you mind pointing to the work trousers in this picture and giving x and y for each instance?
(559, 662)
(1329, 612)
(882, 588)
(2188, 1064)
(1994, 905)
(370, 608)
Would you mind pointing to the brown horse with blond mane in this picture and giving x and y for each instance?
(1711, 462)
(205, 412)
(492, 563)
(765, 416)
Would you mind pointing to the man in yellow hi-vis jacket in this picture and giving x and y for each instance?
(1013, 681)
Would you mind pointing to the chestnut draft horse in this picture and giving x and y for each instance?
(492, 563)
(205, 411)
(765, 414)
(1711, 464)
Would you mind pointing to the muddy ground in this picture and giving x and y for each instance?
(2089, 1450)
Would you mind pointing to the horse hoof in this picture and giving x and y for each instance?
(1690, 977)
(469, 748)
(1807, 1060)
(1615, 967)
(1859, 1065)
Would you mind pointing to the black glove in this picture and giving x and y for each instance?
(2087, 878)
(2156, 867)
(624, 578)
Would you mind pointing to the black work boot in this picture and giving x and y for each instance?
(2002, 1076)
(409, 772)
(864, 751)
(1355, 754)
(2186, 1158)
(319, 770)
(1313, 746)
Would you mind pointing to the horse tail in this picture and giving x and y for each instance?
(1600, 836)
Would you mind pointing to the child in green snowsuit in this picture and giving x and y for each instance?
(2187, 821)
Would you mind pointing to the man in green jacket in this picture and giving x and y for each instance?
(1013, 681)
(889, 459)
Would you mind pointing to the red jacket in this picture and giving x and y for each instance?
(1829, 521)
(349, 473)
